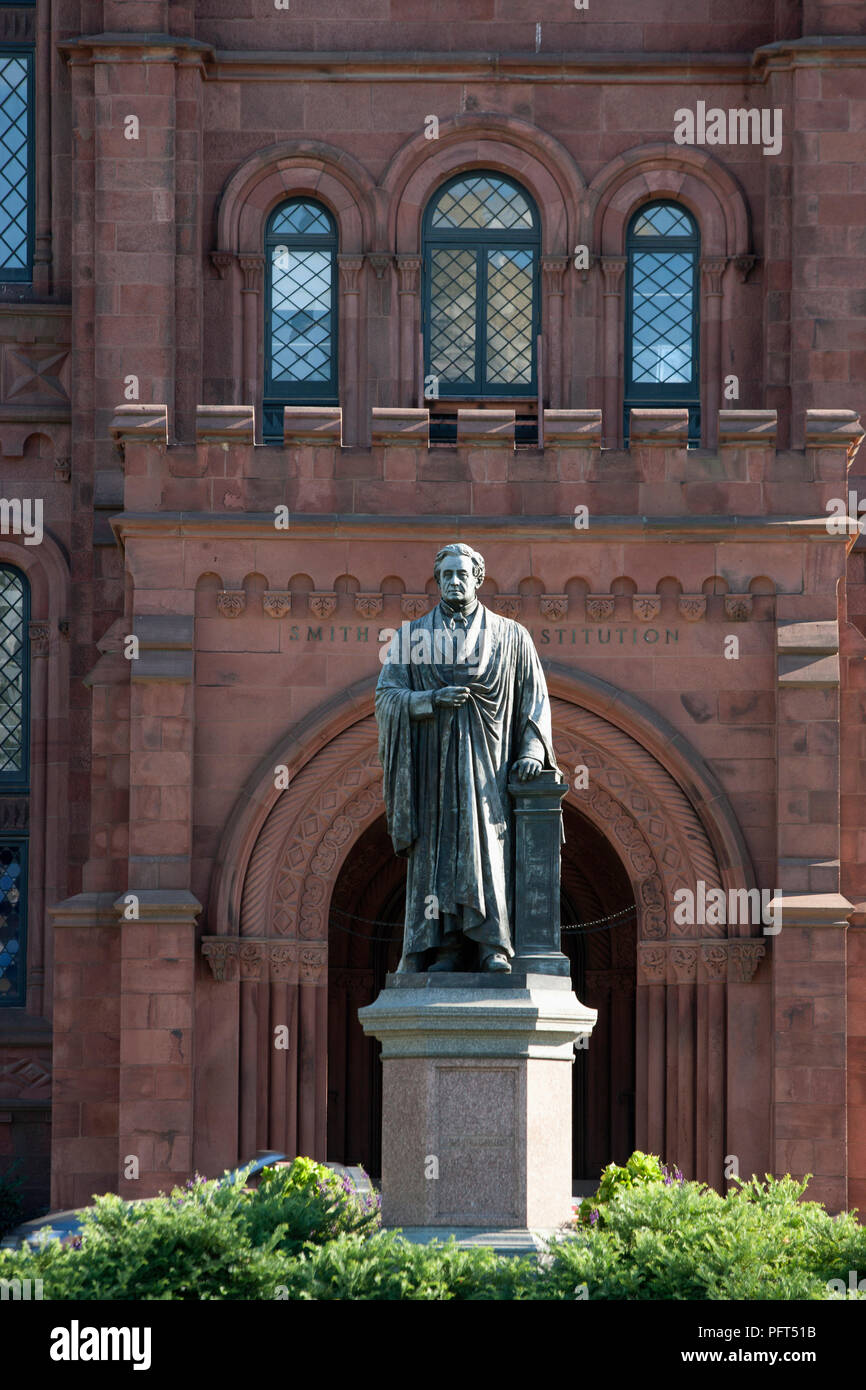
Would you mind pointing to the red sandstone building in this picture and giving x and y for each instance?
(292, 296)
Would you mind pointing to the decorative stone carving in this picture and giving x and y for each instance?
(715, 959)
(413, 605)
(369, 605)
(508, 605)
(39, 633)
(651, 963)
(646, 607)
(62, 470)
(599, 607)
(322, 605)
(277, 603)
(692, 607)
(231, 603)
(745, 957)
(684, 960)
(554, 606)
(222, 260)
(409, 271)
(738, 607)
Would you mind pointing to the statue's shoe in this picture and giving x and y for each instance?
(496, 961)
(446, 960)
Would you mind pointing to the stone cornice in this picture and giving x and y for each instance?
(627, 68)
(682, 529)
(127, 47)
(831, 50)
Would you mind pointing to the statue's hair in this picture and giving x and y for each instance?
(458, 548)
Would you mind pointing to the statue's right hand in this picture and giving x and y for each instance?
(451, 695)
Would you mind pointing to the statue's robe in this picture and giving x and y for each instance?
(446, 770)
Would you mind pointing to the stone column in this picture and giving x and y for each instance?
(409, 269)
(712, 272)
(537, 837)
(252, 268)
(553, 270)
(613, 268)
(351, 392)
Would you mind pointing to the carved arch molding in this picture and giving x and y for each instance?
(687, 976)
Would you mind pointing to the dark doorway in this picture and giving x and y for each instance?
(364, 944)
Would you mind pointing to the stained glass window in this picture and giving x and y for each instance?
(481, 242)
(16, 174)
(300, 315)
(663, 252)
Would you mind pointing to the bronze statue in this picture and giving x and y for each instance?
(461, 705)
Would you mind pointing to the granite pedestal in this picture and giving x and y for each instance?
(476, 1109)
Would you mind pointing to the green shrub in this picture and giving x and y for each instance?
(681, 1240)
(209, 1240)
(640, 1169)
(388, 1268)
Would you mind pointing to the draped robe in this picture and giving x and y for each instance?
(446, 771)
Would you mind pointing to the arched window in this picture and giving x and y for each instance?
(662, 301)
(14, 778)
(481, 316)
(300, 311)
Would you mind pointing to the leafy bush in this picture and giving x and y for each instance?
(210, 1240)
(387, 1267)
(640, 1169)
(11, 1204)
(681, 1240)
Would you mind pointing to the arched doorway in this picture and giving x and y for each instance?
(365, 932)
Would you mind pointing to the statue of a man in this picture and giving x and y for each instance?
(461, 704)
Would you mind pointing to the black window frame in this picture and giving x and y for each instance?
(277, 395)
(24, 276)
(661, 395)
(483, 240)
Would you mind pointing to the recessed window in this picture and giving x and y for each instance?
(481, 249)
(16, 165)
(300, 311)
(661, 357)
(14, 779)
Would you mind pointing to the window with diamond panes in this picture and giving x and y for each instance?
(16, 164)
(481, 247)
(14, 769)
(14, 680)
(300, 311)
(662, 300)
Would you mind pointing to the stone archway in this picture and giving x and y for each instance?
(279, 957)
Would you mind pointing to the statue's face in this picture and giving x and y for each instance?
(457, 580)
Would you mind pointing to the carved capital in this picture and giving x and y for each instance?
(322, 605)
(38, 632)
(380, 261)
(745, 957)
(612, 269)
(738, 607)
(553, 269)
(350, 273)
(369, 605)
(252, 267)
(507, 605)
(712, 271)
(231, 603)
(692, 607)
(277, 603)
(599, 607)
(414, 605)
(409, 272)
(745, 265)
(684, 960)
(553, 606)
(62, 470)
(646, 607)
(652, 961)
(222, 261)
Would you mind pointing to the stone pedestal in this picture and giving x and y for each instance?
(476, 1112)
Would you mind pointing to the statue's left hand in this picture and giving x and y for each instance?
(526, 768)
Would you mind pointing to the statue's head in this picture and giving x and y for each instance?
(459, 572)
